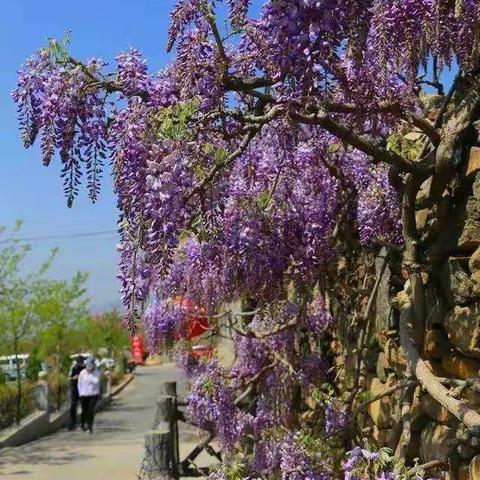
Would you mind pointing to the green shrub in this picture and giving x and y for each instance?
(59, 386)
(117, 377)
(8, 403)
(34, 366)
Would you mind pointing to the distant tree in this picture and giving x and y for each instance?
(61, 313)
(21, 296)
(34, 365)
(106, 330)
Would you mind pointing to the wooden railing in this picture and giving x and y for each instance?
(161, 458)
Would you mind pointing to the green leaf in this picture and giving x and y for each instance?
(221, 155)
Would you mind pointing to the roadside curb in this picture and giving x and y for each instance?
(118, 388)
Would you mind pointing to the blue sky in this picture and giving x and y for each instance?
(33, 193)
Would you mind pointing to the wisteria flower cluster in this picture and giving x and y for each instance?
(366, 464)
(211, 404)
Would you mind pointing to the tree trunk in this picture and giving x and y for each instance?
(19, 382)
(428, 380)
(59, 386)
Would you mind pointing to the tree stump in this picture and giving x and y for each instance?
(158, 461)
(164, 414)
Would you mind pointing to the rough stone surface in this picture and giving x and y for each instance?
(474, 468)
(473, 162)
(381, 411)
(395, 356)
(456, 284)
(421, 217)
(460, 366)
(475, 277)
(435, 308)
(384, 436)
(437, 368)
(424, 190)
(436, 411)
(474, 262)
(417, 415)
(434, 441)
(463, 472)
(381, 367)
(436, 344)
(470, 238)
(463, 327)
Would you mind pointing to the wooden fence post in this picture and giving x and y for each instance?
(159, 458)
(170, 389)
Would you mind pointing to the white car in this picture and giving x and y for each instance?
(8, 364)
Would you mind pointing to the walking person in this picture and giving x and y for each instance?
(89, 391)
(74, 398)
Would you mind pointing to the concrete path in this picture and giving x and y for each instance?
(113, 452)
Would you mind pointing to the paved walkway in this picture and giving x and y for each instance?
(113, 452)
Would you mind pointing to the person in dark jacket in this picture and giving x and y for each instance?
(74, 397)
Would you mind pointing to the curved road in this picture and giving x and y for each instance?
(113, 452)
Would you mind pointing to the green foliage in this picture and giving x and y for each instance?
(105, 331)
(371, 468)
(58, 49)
(34, 366)
(235, 469)
(173, 122)
(324, 394)
(404, 146)
(208, 386)
(21, 294)
(34, 308)
(61, 313)
(9, 402)
(59, 384)
(263, 199)
(221, 155)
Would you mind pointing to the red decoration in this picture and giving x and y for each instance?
(197, 323)
(138, 349)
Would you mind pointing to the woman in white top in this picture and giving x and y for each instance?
(89, 392)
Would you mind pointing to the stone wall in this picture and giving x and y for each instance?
(451, 347)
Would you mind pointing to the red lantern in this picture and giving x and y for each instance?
(137, 349)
